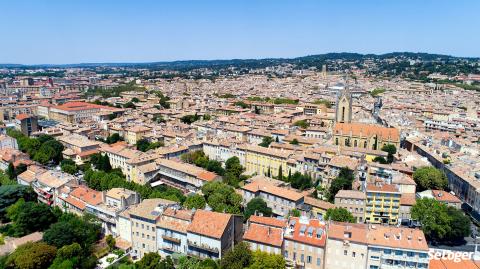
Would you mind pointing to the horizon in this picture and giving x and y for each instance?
(233, 59)
(74, 32)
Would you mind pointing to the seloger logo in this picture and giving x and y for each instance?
(455, 256)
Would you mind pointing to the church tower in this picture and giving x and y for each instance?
(343, 112)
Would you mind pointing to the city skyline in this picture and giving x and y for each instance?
(120, 32)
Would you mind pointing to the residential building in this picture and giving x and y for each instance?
(265, 234)
(347, 246)
(353, 201)
(27, 124)
(383, 204)
(211, 234)
(304, 243)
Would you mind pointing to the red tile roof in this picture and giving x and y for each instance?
(296, 235)
(211, 224)
(264, 235)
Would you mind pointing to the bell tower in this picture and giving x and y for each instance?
(343, 112)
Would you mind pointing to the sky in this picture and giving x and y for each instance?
(88, 31)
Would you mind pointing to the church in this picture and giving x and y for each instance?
(359, 135)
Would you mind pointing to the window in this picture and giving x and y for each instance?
(398, 252)
(309, 259)
(375, 258)
(294, 255)
(286, 254)
(302, 258)
(318, 261)
(345, 252)
(353, 254)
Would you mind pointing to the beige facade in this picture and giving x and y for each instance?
(353, 201)
(346, 246)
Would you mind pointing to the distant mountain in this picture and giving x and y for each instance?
(310, 60)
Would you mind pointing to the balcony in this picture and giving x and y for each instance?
(171, 239)
(202, 246)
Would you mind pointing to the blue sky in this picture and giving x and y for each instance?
(75, 31)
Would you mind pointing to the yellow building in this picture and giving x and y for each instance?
(258, 160)
(383, 204)
(136, 133)
(368, 136)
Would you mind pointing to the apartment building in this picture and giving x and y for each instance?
(347, 246)
(172, 231)
(261, 161)
(278, 197)
(143, 221)
(7, 142)
(78, 147)
(48, 184)
(315, 207)
(353, 201)
(383, 204)
(265, 234)
(27, 124)
(393, 247)
(211, 234)
(134, 134)
(304, 243)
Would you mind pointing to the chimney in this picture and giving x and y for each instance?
(269, 230)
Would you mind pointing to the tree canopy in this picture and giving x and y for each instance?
(153, 260)
(222, 198)
(441, 223)
(195, 201)
(343, 181)
(430, 178)
(266, 141)
(258, 205)
(31, 256)
(10, 194)
(339, 214)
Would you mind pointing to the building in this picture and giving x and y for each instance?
(78, 148)
(172, 231)
(211, 234)
(315, 207)
(7, 142)
(367, 136)
(76, 112)
(27, 124)
(343, 112)
(265, 234)
(383, 204)
(441, 196)
(304, 243)
(353, 201)
(279, 198)
(393, 247)
(347, 246)
(262, 161)
(134, 134)
(143, 221)
(48, 184)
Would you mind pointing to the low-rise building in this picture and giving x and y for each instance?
(353, 201)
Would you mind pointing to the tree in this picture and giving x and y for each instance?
(302, 124)
(70, 229)
(69, 256)
(430, 178)
(266, 141)
(441, 223)
(339, 214)
(69, 166)
(343, 181)
(294, 142)
(9, 194)
(301, 182)
(295, 213)
(153, 260)
(114, 138)
(238, 257)
(258, 205)
(101, 162)
(195, 201)
(135, 100)
(391, 150)
(263, 260)
(215, 166)
(232, 165)
(222, 198)
(110, 241)
(31, 256)
(11, 171)
(380, 159)
(280, 173)
(29, 217)
(129, 105)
